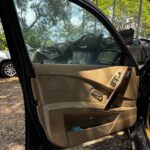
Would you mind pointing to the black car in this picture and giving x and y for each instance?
(86, 85)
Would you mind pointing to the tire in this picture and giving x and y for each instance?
(7, 69)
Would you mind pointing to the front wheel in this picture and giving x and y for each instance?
(7, 69)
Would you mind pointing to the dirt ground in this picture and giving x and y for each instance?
(11, 115)
(12, 127)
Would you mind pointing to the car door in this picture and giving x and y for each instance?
(81, 82)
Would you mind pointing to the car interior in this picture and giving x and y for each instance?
(82, 90)
(77, 104)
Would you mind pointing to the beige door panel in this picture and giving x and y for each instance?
(94, 124)
(98, 99)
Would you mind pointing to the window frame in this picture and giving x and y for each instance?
(98, 14)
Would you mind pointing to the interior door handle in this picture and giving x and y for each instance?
(118, 86)
(97, 96)
(116, 82)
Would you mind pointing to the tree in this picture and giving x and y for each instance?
(126, 14)
(3, 43)
(45, 14)
(45, 10)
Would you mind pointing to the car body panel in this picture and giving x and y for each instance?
(4, 55)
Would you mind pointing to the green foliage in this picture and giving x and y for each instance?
(146, 19)
(48, 13)
(3, 43)
(126, 14)
(105, 6)
(45, 14)
(32, 38)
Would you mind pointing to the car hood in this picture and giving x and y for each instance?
(4, 55)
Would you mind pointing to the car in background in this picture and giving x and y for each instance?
(6, 66)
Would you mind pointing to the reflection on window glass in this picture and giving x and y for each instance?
(59, 31)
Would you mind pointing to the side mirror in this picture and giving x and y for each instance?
(109, 56)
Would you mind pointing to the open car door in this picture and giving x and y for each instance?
(80, 83)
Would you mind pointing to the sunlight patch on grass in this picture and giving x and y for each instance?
(14, 146)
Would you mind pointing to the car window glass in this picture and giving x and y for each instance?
(60, 32)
